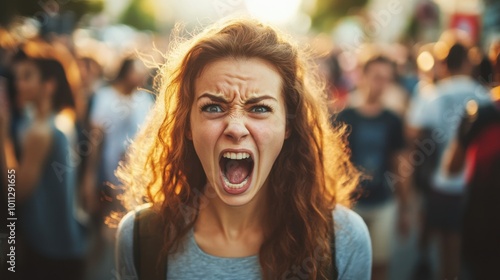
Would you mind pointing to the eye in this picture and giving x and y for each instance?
(260, 109)
(212, 108)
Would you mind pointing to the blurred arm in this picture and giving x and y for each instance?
(454, 158)
(402, 190)
(35, 150)
(89, 181)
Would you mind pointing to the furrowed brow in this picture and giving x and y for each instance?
(214, 98)
(259, 99)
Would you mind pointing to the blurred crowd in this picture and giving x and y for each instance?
(423, 127)
(65, 128)
(424, 123)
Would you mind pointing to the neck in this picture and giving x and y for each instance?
(371, 106)
(233, 221)
(123, 88)
(461, 72)
(43, 109)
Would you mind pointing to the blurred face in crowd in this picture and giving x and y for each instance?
(377, 77)
(238, 126)
(89, 72)
(136, 77)
(28, 81)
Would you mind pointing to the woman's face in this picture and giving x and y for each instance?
(27, 81)
(238, 125)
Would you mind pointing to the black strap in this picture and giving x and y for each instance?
(335, 272)
(148, 243)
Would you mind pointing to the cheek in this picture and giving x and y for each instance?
(205, 131)
(204, 135)
(26, 88)
(269, 138)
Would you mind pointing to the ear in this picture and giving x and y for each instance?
(189, 135)
(288, 131)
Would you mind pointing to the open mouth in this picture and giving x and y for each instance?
(236, 171)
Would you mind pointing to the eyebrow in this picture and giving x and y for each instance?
(259, 98)
(213, 98)
(249, 101)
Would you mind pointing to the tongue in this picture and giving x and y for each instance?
(237, 170)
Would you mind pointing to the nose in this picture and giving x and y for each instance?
(236, 129)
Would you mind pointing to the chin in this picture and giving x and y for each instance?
(233, 201)
(235, 197)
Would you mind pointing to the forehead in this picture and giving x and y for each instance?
(24, 65)
(239, 77)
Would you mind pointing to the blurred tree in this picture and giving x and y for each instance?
(328, 12)
(140, 14)
(43, 9)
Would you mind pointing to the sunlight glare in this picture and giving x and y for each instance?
(276, 11)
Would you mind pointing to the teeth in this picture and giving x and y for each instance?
(236, 155)
(235, 186)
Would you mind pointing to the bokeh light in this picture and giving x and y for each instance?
(425, 61)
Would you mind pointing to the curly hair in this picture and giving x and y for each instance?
(310, 176)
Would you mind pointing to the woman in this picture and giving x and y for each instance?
(242, 167)
(46, 173)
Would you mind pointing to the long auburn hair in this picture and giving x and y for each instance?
(310, 176)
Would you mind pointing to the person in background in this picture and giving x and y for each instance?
(441, 116)
(431, 70)
(117, 111)
(477, 150)
(337, 86)
(377, 139)
(393, 95)
(46, 175)
(91, 74)
(91, 78)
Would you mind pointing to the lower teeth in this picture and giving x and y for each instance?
(235, 186)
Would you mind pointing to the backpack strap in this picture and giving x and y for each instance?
(335, 272)
(147, 246)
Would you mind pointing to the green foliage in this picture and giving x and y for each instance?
(140, 15)
(328, 12)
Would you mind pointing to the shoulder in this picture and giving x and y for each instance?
(353, 245)
(104, 95)
(125, 232)
(345, 116)
(141, 97)
(350, 111)
(126, 225)
(143, 94)
(349, 227)
(103, 92)
(473, 124)
(102, 105)
(124, 247)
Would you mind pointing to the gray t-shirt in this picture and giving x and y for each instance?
(353, 255)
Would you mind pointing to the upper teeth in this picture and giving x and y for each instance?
(236, 155)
